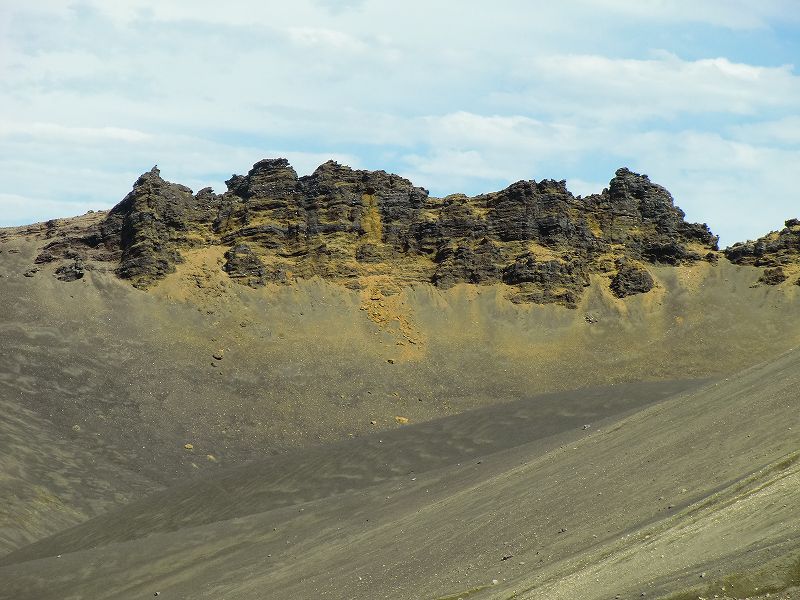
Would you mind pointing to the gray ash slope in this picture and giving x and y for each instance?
(694, 496)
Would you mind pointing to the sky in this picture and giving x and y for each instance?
(459, 96)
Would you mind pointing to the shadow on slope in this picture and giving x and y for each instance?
(352, 465)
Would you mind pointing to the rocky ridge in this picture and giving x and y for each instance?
(365, 228)
(778, 252)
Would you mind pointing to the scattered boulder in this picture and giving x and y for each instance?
(630, 279)
(773, 276)
(71, 272)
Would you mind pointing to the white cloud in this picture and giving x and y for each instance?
(24, 210)
(579, 187)
(785, 131)
(326, 39)
(734, 14)
(461, 164)
(599, 87)
(49, 132)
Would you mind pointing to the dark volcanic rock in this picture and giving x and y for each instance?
(374, 204)
(668, 252)
(773, 276)
(547, 281)
(150, 225)
(369, 253)
(345, 224)
(630, 279)
(778, 248)
(545, 212)
(462, 264)
(267, 196)
(244, 266)
(88, 244)
(72, 271)
(270, 179)
(643, 216)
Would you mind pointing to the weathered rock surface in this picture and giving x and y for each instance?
(630, 279)
(71, 271)
(773, 276)
(546, 281)
(243, 265)
(345, 224)
(150, 225)
(777, 248)
(775, 251)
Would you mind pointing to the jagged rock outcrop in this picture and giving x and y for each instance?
(777, 251)
(347, 225)
(777, 248)
(464, 264)
(642, 216)
(151, 224)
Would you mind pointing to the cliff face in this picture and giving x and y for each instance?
(349, 225)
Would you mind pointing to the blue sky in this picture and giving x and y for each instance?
(469, 96)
